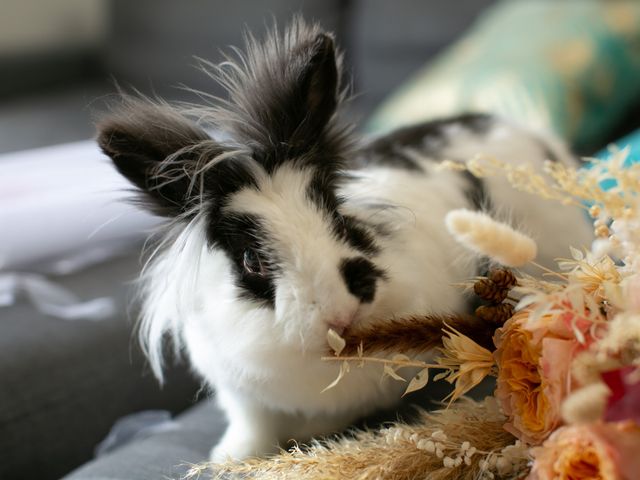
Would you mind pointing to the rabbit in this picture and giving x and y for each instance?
(291, 224)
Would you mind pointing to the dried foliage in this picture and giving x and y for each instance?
(467, 362)
(497, 314)
(482, 234)
(490, 291)
(611, 188)
(495, 289)
(502, 277)
(465, 442)
(414, 334)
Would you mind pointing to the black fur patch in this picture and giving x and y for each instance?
(321, 191)
(224, 179)
(235, 234)
(476, 193)
(355, 233)
(283, 96)
(428, 138)
(361, 277)
(143, 135)
(547, 153)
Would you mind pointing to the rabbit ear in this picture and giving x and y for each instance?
(319, 85)
(139, 138)
(283, 96)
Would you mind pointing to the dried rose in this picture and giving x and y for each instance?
(534, 373)
(604, 451)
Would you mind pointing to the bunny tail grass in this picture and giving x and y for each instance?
(467, 430)
(414, 334)
(480, 233)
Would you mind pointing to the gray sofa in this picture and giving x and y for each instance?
(151, 46)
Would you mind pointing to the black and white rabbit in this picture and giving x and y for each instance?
(291, 227)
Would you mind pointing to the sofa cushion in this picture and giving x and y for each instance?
(566, 66)
(167, 455)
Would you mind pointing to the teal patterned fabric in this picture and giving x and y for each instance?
(571, 66)
(632, 142)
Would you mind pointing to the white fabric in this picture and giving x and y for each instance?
(52, 299)
(64, 207)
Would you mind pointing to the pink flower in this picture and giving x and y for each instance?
(603, 451)
(534, 365)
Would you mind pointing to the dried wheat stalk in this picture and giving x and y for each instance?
(414, 334)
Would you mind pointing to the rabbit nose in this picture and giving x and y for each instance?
(360, 276)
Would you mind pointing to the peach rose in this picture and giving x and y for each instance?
(601, 451)
(533, 373)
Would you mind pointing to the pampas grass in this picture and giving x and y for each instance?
(482, 234)
(465, 442)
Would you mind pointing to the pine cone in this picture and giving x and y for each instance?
(503, 278)
(495, 313)
(490, 291)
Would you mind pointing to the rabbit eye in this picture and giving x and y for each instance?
(251, 262)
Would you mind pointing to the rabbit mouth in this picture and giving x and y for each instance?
(340, 323)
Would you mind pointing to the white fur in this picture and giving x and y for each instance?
(265, 363)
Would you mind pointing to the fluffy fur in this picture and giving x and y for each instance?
(289, 228)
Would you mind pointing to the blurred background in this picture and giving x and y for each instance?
(70, 244)
(59, 58)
